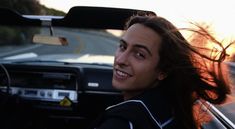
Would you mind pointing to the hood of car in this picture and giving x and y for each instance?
(87, 58)
(68, 58)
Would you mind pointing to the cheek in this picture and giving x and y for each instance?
(147, 71)
(115, 55)
(146, 66)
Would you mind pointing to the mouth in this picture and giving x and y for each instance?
(119, 74)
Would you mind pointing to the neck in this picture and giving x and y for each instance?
(130, 94)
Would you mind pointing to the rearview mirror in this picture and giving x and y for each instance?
(50, 40)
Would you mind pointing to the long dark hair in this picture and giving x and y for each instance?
(189, 76)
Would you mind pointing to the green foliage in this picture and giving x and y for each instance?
(50, 11)
(10, 36)
(22, 6)
(17, 36)
(30, 7)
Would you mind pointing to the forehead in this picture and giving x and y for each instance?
(142, 35)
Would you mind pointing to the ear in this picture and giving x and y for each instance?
(161, 76)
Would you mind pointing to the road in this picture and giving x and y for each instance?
(80, 42)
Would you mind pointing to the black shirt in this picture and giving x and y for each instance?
(149, 110)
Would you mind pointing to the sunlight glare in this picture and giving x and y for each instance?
(219, 14)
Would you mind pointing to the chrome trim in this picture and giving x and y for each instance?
(44, 94)
(220, 116)
(102, 92)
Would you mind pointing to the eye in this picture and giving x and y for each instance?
(122, 47)
(139, 55)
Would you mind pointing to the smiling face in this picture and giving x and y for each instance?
(136, 59)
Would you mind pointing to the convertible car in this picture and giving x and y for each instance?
(56, 71)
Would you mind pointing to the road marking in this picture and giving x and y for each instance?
(20, 50)
(81, 45)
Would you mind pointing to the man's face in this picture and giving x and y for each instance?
(136, 59)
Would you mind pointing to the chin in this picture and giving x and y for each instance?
(118, 86)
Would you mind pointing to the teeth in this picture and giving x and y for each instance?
(122, 74)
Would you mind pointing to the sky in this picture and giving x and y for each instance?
(218, 13)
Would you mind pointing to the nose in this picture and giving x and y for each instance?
(121, 58)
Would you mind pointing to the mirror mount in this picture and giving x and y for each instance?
(47, 23)
(51, 39)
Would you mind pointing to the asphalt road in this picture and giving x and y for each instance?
(80, 42)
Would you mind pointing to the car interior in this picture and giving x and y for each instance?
(49, 94)
(58, 95)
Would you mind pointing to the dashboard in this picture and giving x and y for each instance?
(43, 85)
(50, 82)
(64, 92)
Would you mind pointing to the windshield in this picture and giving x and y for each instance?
(34, 44)
(17, 43)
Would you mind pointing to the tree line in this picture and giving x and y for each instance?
(30, 7)
(12, 35)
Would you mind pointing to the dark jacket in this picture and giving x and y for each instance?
(150, 110)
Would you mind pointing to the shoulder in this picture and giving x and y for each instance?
(138, 113)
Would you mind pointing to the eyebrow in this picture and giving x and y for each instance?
(138, 46)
